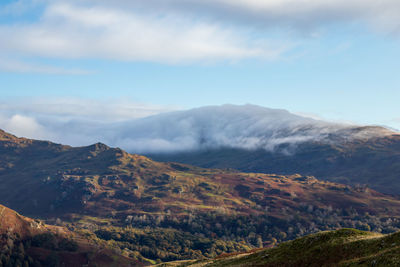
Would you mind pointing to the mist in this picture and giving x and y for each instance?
(158, 130)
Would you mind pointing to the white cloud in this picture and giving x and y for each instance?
(12, 65)
(80, 31)
(297, 14)
(70, 120)
(23, 126)
(245, 127)
(178, 31)
(131, 128)
(68, 109)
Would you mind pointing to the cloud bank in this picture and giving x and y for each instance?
(230, 126)
(15, 65)
(71, 121)
(70, 30)
(176, 31)
(147, 129)
(299, 15)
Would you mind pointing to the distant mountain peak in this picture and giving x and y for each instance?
(98, 147)
(231, 126)
(247, 126)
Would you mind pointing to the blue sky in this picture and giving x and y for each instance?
(338, 60)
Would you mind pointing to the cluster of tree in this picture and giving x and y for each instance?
(51, 242)
(208, 234)
(166, 244)
(14, 250)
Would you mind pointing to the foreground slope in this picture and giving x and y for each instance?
(28, 242)
(170, 211)
(345, 247)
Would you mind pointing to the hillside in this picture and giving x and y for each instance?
(371, 159)
(28, 242)
(345, 247)
(251, 138)
(374, 162)
(170, 211)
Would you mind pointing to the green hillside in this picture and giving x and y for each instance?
(345, 247)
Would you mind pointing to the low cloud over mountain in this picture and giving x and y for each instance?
(139, 130)
(248, 127)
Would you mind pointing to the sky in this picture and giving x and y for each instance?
(116, 60)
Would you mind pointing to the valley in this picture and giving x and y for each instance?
(198, 133)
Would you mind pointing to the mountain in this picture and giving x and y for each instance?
(169, 211)
(250, 138)
(374, 162)
(230, 126)
(255, 139)
(28, 242)
(345, 247)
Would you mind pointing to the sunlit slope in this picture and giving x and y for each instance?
(28, 242)
(346, 247)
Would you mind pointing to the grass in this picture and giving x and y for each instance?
(345, 247)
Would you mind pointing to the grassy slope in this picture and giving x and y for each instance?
(346, 247)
